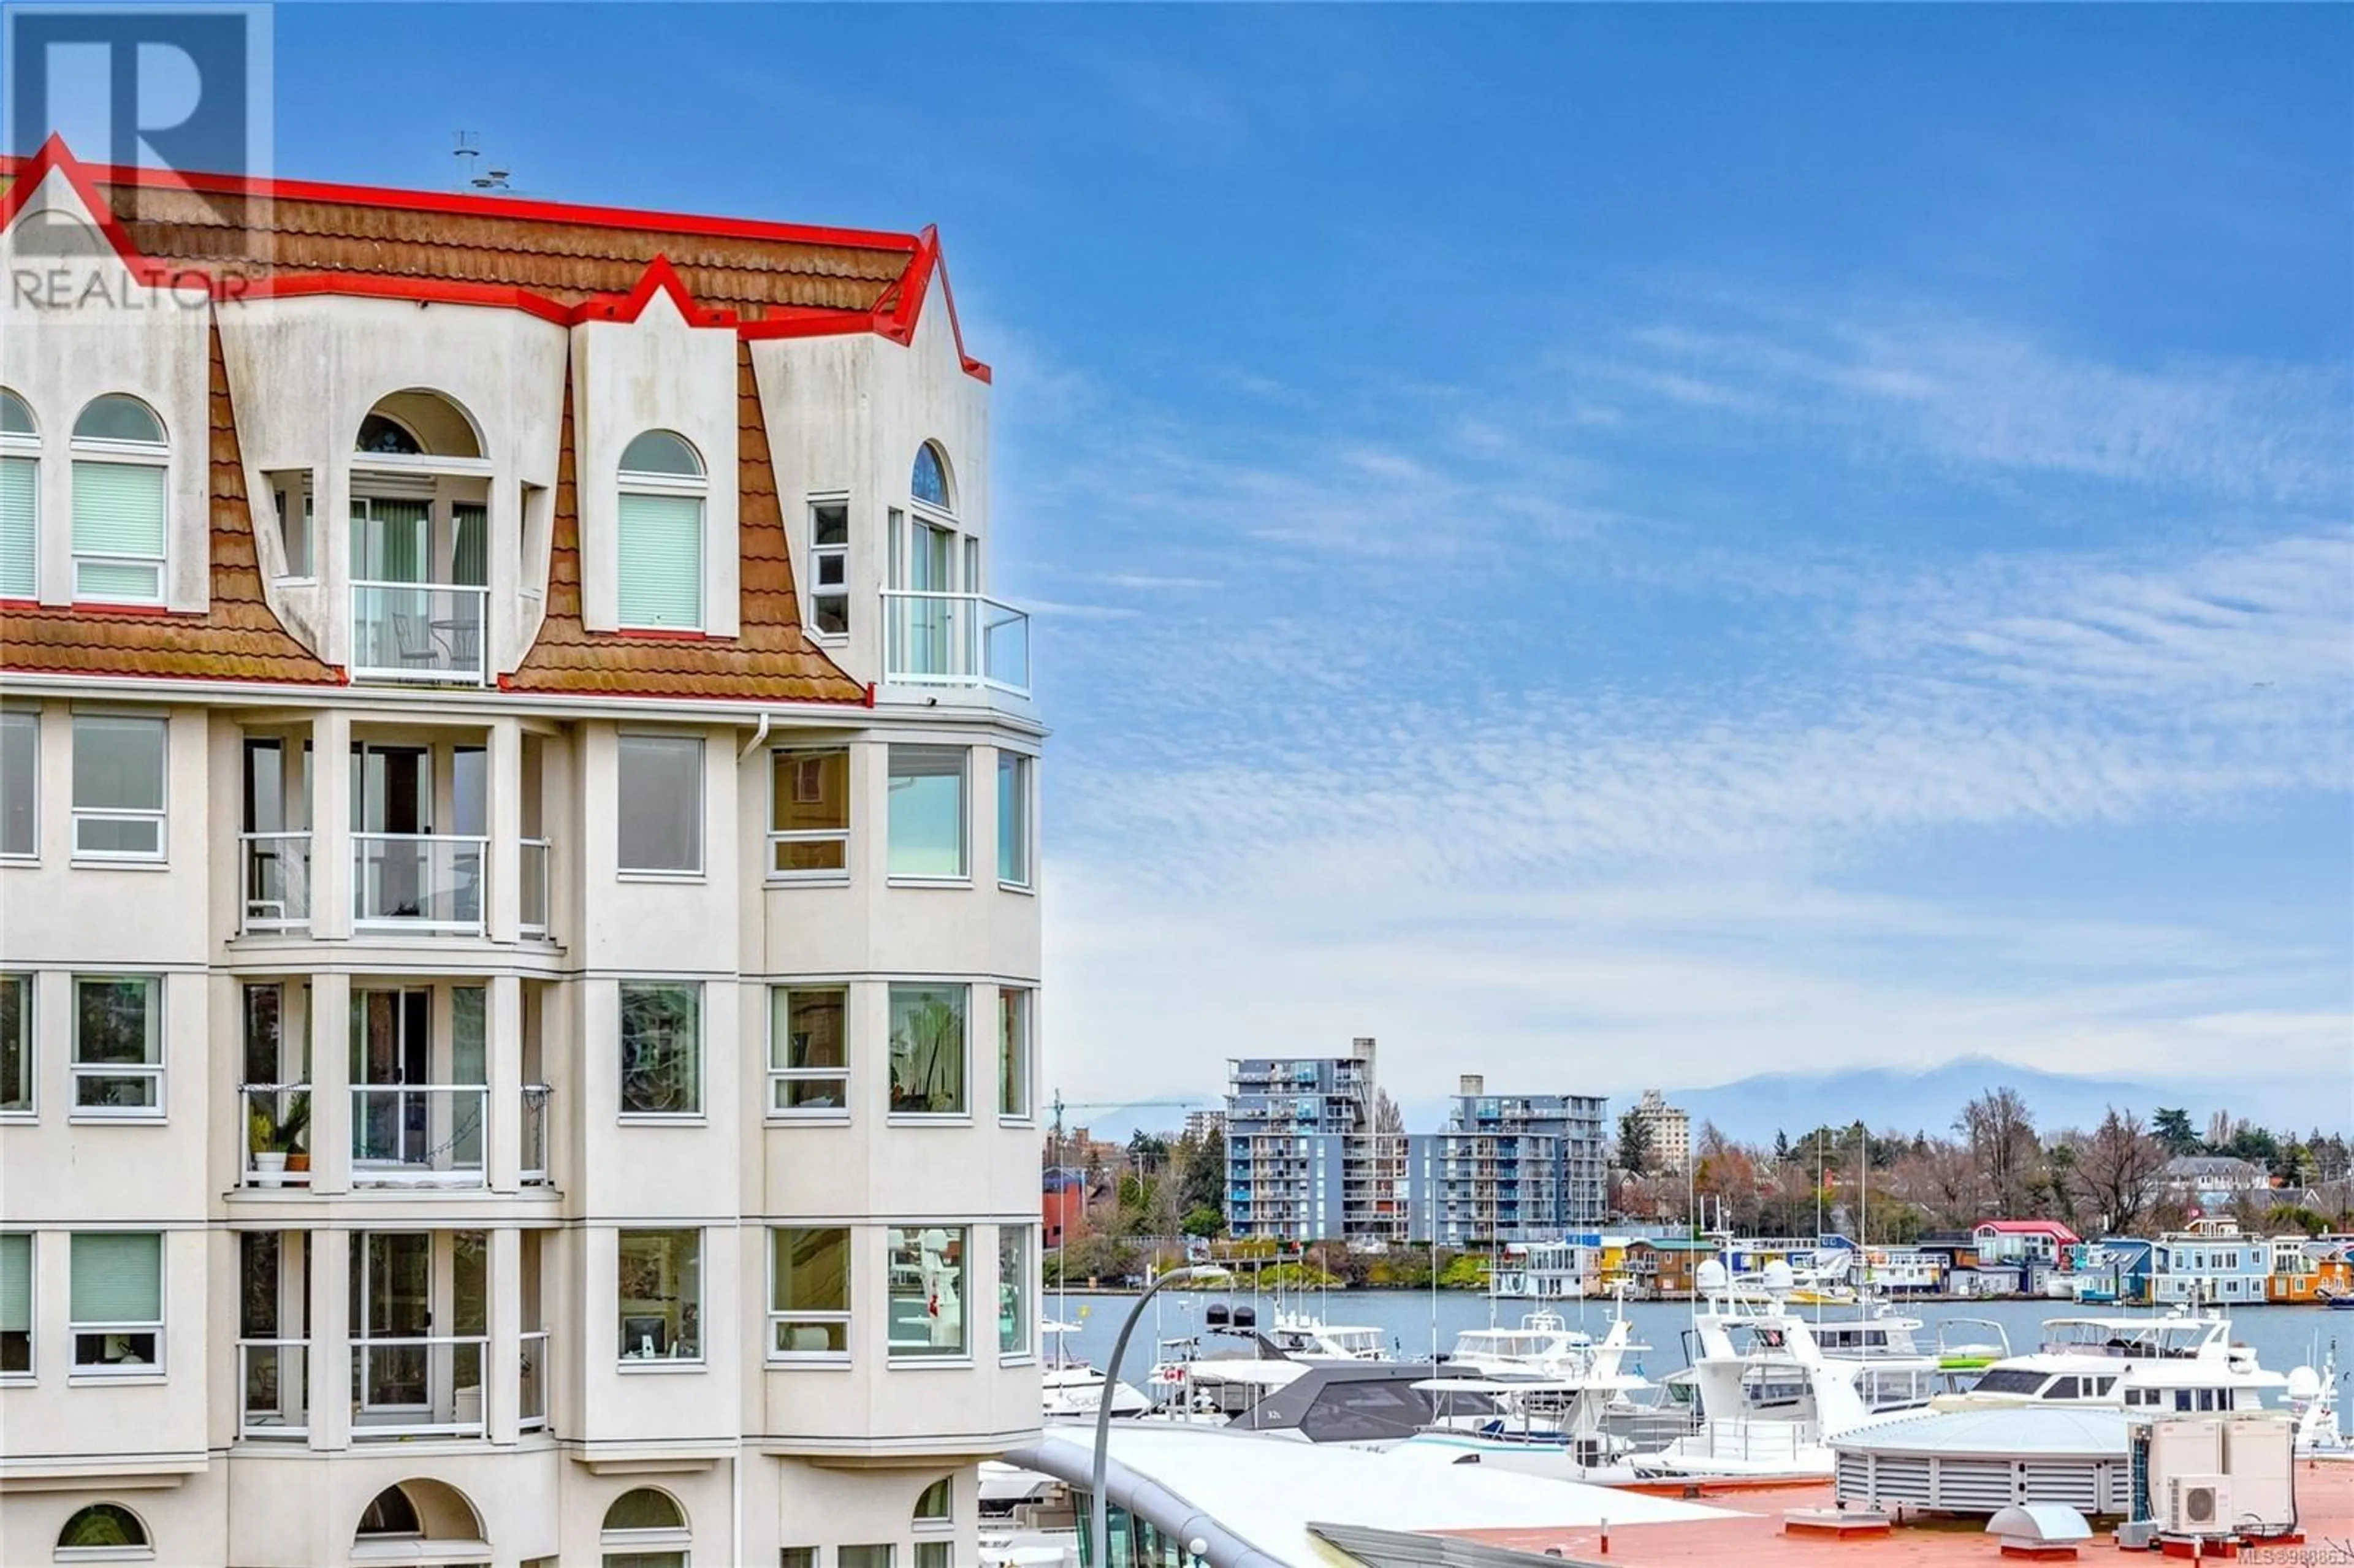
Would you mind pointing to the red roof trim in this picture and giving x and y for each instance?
(469, 204)
(894, 315)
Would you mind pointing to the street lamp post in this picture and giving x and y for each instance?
(1098, 1510)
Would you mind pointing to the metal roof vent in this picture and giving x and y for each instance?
(2041, 1532)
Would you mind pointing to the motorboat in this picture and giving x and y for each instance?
(2313, 1405)
(1304, 1336)
(1768, 1395)
(1544, 1345)
(1971, 1344)
(1894, 1372)
(1070, 1389)
(2178, 1363)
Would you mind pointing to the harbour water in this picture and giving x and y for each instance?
(2282, 1337)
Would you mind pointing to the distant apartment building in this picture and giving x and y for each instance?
(1670, 1130)
(1304, 1160)
(1201, 1124)
(2210, 1180)
(1508, 1168)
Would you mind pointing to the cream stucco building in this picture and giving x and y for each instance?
(518, 869)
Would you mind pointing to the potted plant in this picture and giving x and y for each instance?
(275, 1140)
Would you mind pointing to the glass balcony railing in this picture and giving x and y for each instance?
(418, 1135)
(955, 639)
(420, 1387)
(418, 881)
(274, 881)
(417, 631)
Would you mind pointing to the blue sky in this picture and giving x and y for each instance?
(1599, 546)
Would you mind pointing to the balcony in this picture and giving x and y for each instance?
(418, 1135)
(955, 639)
(275, 880)
(424, 882)
(277, 1144)
(426, 1386)
(273, 1375)
(417, 631)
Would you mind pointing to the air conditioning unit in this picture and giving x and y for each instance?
(2199, 1505)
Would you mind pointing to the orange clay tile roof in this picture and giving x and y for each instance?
(237, 638)
(770, 659)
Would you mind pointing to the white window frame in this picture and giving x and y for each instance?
(633, 481)
(32, 1372)
(27, 1020)
(1031, 1263)
(817, 553)
(130, 454)
(29, 448)
(702, 809)
(701, 1054)
(894, 1356)
(161, 816)
(1027, 1115)
(75, 1329)
(779, 1318)
(925, 1119)
(1025, 768)
(33, 715)
(779, 1075)
(963, 878)
(824, 876)
(702, 1356)
(78, 1070)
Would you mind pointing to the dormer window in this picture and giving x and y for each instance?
(660, 556)
(20, 499)
(119, 466)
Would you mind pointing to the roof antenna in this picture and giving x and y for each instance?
(468, 151)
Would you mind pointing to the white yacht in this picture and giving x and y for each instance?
(1070, 1389)
(2178, 1363)
(1544, 1345)
(1553, 1424)
(1768, 1395)
(2313, 1405)
(1894, 1372)
(1304, 1336)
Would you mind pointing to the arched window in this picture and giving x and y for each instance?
(935, 1520)
(119, 474)
(101, 1524)
(659, 557)
(385, 436)
(645, 1529)
(929, 482)
(20, 499)
(390, 1512)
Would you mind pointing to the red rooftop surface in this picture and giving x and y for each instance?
(1758, 1538)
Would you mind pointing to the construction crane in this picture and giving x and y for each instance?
(1061, 1105)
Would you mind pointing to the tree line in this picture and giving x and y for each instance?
(1990, 1163)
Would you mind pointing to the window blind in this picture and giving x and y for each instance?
(118, 1278)
(16, 1284)
(20, 481)
(661, 561)
(118, 509)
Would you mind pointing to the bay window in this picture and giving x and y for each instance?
(1012, 819)
(808, 816)
(929, 1268)
(1013, 1054)
(809, 1055)
(809, 1293)
(658, 1290)
(1015, 1265)
(926, 830)
(927, 1050)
